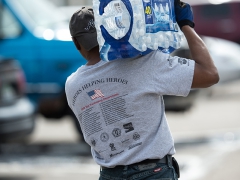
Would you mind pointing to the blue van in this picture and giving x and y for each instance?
(36, 33)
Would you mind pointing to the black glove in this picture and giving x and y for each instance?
(184, 14)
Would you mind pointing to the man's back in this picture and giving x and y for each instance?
(120, 108)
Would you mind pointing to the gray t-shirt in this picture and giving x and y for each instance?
(120, 107)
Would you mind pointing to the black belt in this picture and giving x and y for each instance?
(164, 160)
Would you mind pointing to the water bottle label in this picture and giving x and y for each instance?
(148, 12)
(118, 21)
(118, 7)
(162, 15)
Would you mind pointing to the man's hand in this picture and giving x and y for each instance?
(184, 14)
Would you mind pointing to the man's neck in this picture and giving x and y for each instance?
(93, 61)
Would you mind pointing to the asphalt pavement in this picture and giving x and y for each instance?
(207, 139)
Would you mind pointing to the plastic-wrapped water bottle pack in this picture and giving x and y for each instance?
(128, 28)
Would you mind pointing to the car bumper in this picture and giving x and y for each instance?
(17, 119)
(178, 103)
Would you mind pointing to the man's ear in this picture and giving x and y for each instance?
(76, 43)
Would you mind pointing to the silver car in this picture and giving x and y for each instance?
(17, 113)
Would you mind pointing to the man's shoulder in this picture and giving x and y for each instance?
(71, 78)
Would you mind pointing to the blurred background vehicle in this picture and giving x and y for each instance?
(36, 33)
(17, 112)
(217, 18)
(179, 103)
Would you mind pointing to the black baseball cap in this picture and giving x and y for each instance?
(82, 27)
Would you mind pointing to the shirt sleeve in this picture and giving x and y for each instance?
(172, 75)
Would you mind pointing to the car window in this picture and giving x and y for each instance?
(9, 27)
(40, 13)
(215, 11)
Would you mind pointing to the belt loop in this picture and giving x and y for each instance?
(169, 160)
(125, 172)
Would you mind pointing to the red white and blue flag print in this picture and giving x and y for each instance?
(95, 94)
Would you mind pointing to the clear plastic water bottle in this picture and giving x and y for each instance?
(116, 19)
(154, 41)
(167, 11)
(142, 43)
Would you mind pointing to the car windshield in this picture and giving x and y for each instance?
(39, 13)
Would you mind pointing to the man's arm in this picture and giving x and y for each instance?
(205, 73)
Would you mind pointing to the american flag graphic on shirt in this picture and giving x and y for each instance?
(95, 94)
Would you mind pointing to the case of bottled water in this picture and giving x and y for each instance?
(128, 28)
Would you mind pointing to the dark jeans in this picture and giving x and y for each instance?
(151, 171)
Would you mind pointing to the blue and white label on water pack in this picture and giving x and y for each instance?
(159, 15)
(128, 28)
